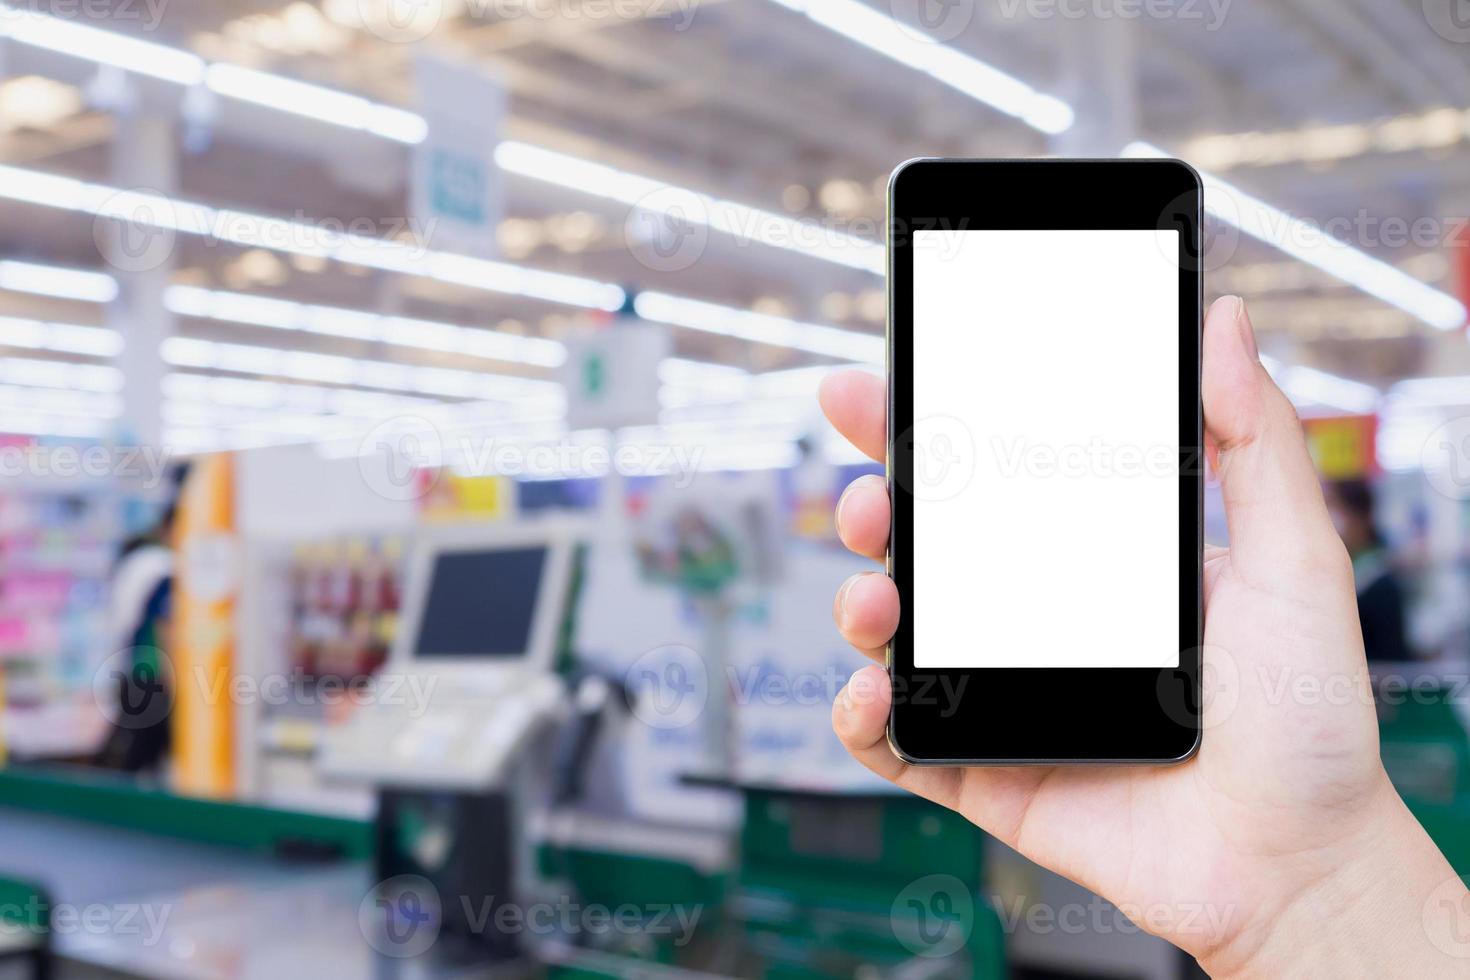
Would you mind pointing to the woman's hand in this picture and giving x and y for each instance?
(1281, 848)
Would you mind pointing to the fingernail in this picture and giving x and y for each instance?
(842, 596)
(855, 484)
(1243, 326)
(841, 502)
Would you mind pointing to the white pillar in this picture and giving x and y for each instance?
(1100, 82)
(142, 256)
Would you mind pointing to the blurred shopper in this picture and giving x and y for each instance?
(138, 614)
(1380, 596)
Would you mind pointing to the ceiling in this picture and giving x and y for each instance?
(1324, 108)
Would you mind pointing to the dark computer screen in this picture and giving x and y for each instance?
(480, 603)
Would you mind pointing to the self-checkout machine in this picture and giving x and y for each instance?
(824, 861)
(457, 740)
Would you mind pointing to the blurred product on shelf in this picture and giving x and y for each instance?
(344, 606)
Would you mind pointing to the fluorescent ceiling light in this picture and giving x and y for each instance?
(50, 401)
(1309, 386)
(359, 325)
(1314, 246)
(315, 102)
(60, 374)
(184, 68)
(280, 235)
(760, 327)
(50, 280)
(904, 44)
(191, 352)
(41, 424)
(680, 204)
(356, 112)
(1442, 391)
(102, 47)
(274, 234)
(64, 338)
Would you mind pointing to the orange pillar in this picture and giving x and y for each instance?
(206, 580)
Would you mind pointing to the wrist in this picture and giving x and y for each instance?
(1383, 902)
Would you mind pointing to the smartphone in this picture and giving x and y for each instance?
(1045, 464)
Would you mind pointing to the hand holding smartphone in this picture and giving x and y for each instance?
(1281, 848)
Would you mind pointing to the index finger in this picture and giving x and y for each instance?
(856, 403)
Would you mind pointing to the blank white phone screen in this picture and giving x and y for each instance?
(1046, 449)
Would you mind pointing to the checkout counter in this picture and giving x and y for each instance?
(485, 811)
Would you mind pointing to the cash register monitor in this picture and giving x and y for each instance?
(484, 598)
(481, 603)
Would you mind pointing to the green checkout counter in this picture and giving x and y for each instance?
(146, 884)
(136, 882)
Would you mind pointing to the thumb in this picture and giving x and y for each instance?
(1279, 526)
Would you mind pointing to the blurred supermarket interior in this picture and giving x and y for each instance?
(415, 507)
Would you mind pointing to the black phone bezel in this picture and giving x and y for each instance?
(1019, 716)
